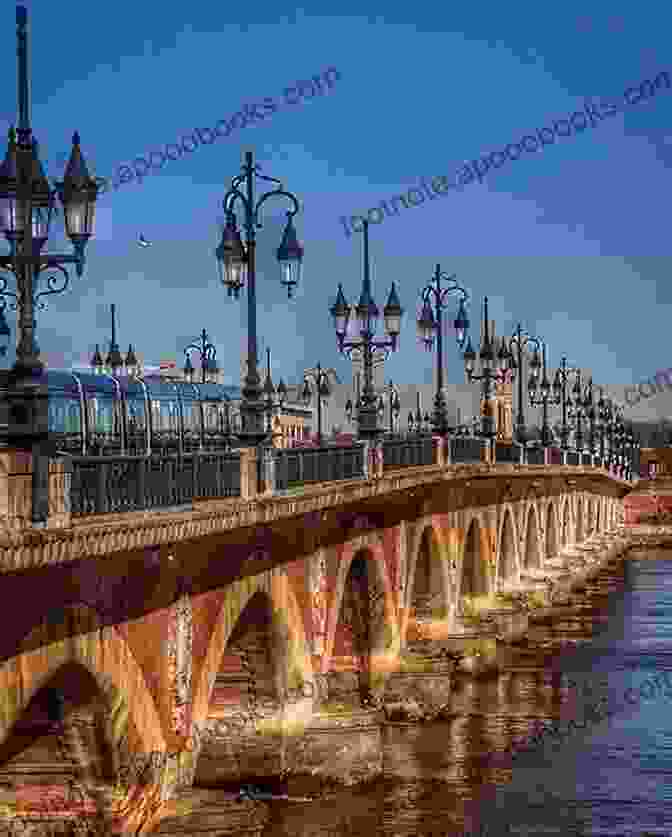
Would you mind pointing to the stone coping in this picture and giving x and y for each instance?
(104, 535)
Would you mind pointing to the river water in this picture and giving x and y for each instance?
(611, 778)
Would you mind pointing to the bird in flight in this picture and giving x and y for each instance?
(142, 241)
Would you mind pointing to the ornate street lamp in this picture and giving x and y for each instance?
(560, 397)
(493, 369)
(430, 323)
(367, 345)
(237, 265)
(322, 391)
(394, 407)
(545, 396)
(207, 354)
(114, 362)
(27, 202)
(510, 359)
(577, 414)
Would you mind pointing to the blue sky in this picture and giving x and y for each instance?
(573, 241)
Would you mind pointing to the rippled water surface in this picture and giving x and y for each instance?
(612, 778)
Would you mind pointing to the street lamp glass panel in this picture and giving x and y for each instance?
(290, 256)
(231, 257)
(392, 313)
(306, 393)
(340, 311)
(469, 357)
(487, 356)
(325, 392)
(426, 325)
(78, 192)
(461, 324)
(367, 316)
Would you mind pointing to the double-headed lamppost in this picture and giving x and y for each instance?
(393, 405)
(493, 369)
(560, 397)
(430, 323)
(237, 264)
(322, 390)
(510, 358)
(27, 202)
(207, 356)
(545, 396)
(367, 345)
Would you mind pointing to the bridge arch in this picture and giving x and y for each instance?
(474, 579)
(428, 584)
(551, 531)
(565, 521)
(134, 721)
(579, 522)
(364, 592)
(532, 549)
(284, 631)
(508, 562)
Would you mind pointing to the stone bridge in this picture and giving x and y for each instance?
(179, 649)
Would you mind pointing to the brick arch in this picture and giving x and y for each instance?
(107, 657)
(507, 550)
(283, 601)
(422, 528)
(532, 542)
(551, 535)
(473, 566)
(373, 547)
(565, 520)
(579, 519)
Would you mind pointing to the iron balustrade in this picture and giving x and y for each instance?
(507, 453)
(133, 483)
(534, 456)
(466, 449)
(572, 457)
(587, 459)
(412, 451)
(297, 466)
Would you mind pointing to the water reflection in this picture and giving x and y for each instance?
(609, 779)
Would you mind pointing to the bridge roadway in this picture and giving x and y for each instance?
(183, 633)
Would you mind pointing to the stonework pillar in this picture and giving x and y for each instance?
(16, 477)
(248, 473)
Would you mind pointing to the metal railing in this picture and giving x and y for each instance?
(534, 456)
(586, 459)
(507, 453)
(132, 483)
(466, 449)
(413, 450)
(572, 457)
(297, 466)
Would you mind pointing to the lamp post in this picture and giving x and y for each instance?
(415, 421)
(367, 345)
(5, 333)
(322, 390)
(593, 416)
(27, 202)
(545, 396)
(393, 404)
(512, 362)
(430, 323)
(560, 397)
(577, 414)
(114, 362)
(207, 355)
(237, 264)
(492, 369)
